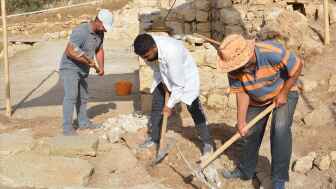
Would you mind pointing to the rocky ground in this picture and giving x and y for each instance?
(34, 154)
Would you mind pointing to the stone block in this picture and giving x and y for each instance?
(230, 16)
(69, 146)
(36, 171)
(15, 142)
(202, 16)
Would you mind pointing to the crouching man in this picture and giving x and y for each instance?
(175, 72)
(261, 74)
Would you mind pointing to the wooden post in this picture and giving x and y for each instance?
(5, 56)
(326, 23)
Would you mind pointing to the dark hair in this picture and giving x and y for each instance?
(142, 43)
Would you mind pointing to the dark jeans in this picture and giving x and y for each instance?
(195, 109)
(75, 95)
(281, 140)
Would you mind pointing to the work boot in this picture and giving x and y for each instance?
(148, 143)
(279, 185)
(89, 125)
(234, 174)
(207, 149)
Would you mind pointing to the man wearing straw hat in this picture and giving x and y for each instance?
(260, 74)
(86, 42)
(175, 72)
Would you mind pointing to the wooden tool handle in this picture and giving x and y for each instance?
(208, 39)
(236, 136)
(164, 123)
(96, 67)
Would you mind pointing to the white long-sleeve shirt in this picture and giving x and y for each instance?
(177, 70)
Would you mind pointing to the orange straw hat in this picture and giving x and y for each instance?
(235, 52)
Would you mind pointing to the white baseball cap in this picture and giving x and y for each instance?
(105, 16)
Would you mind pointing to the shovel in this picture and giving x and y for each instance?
(199, 172)
(164, 146)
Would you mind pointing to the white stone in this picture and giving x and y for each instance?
(15, 142)
(128, 122)
(70, 146)
(305, 163)
(115, 133)
(31, 170)
(322, 162)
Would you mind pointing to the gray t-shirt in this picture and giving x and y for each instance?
(87, 41)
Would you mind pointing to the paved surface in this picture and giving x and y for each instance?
(37, 91)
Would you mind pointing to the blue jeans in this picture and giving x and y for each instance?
(195, 109)
(75, 95)
(281, 140)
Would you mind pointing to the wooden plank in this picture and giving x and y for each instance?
(326, 23)
(5, 56)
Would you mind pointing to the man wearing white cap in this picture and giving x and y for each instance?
(86, 43)
(260, 74)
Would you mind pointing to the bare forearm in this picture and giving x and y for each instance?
(100, 58)
(75, 55)
(292, 80)
(243, 101)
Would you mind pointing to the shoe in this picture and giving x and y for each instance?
(207, 149)
(234, 174)
(148, 143)
(90, 125)
(279, 185)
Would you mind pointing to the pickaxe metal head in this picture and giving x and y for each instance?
(162, 153)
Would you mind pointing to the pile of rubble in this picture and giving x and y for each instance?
(115, 127)
(75, 161)
(321, 161)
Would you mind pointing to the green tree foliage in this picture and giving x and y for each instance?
(28, 5)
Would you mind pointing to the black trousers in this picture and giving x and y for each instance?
(195, 109)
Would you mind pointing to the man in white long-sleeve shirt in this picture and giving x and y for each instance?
(175, 72)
